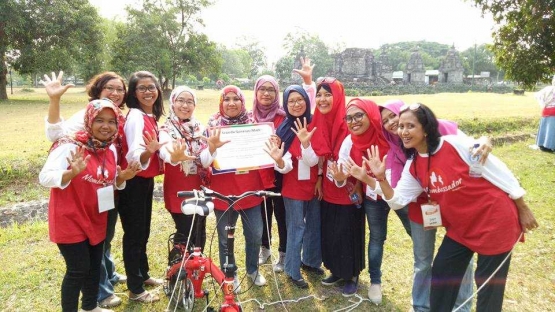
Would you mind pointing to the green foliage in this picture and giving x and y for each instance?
(367, 89)
(256, 54)
(483, 60)
(399, 53)
(236, 62)
(524, 41)
(312, 46)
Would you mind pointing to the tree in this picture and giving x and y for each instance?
(256, 54)
(524, 41)
(159, 37)
(49, 35)
(236, 62)
(483, 60)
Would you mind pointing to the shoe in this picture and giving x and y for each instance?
(280, 264)
(331, 280)
(145, 297)
(122, 279)
(317, 271)
(301, 283)
(350, 288)
(375, 293)
(97, 309)
(153, 282)
(257, 278)
(264, 254)
(236, 285)
(110, 302)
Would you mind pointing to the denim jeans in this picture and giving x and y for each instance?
(449, 267)
(108, 277)
(82, 266)
(252, 230)
(423, 249)
(303, 233)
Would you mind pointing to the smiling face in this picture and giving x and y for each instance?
(184, 105)
(357, 120)
(232, 105)
(266, 94)
(390, 121)
(324, 101)
(146, 93)
(104, 125)
(412, 133)
(296, 104)
(113, 90)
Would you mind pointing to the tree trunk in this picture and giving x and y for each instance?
(3, 73)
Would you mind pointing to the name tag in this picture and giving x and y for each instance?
(431, 214)
(303, 172)
(371, 194)
(105, 198)
(328, 172)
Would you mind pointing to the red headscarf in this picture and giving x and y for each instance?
(332, 128)
(373, 135)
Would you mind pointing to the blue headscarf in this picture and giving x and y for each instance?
(284, 130)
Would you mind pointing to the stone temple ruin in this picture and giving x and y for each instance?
(360, 65)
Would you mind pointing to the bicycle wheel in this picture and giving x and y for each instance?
(183, 294)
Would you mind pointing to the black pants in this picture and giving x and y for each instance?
(82, 275)
(274, 205)
(135, 211)
(183, 225)
(448, 270)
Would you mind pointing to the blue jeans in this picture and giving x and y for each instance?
(108, 277)
(303, 232)
(376, 215)
(252, 230)
(423, 249)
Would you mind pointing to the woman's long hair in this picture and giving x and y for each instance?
(133, 102)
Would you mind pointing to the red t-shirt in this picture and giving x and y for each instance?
(268, 174)
(237, 184)
(175, 181)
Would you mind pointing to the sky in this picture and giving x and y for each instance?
(344, 23)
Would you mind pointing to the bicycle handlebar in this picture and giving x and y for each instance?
(208, 194)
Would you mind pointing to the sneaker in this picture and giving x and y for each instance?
(350, 288)
(236, 285)
(257, 278)
(122, 279)
(317, 271)
(375, 293)
(153, 282)
(264, 255)
(144, 297)
(110, 302)
(97, 309)
(331, 280)
(301, 283)
(280, 264)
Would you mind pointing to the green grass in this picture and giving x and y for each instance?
(32, 268)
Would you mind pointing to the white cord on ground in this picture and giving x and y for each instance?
(491, 276)
(354, 305)
(281, 301)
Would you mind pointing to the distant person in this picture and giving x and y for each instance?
(82, 172)
(545, 139)
(104, 85)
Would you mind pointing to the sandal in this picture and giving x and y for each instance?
(153, 282)
(145, 297)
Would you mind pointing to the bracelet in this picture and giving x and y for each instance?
(379, 180)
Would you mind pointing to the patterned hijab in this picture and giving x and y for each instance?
(189, 129)
(373, 135)
(266, 113)
(284, 130)
(84, 138)
(221, 119)
(332, 128)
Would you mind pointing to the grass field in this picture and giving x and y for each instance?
(32, 268)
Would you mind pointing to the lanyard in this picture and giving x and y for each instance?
(100, 174)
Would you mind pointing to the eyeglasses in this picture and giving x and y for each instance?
(292, 103)
(143, 89)
(326, 80)
(355, 117)
(412, 107)
(112, 89)
(182, 102)
(264, 90)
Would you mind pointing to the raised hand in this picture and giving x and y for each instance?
(275, 151)
(178, 151)
(151, 142)
(483, 150)
(77, 161)
(306, 71)
(373, 162)
(355, 170)
(302, 133)
(54, 87)
(128, 173)
(337, 172)
(214, 141)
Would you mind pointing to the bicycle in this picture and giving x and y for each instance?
(187, 269)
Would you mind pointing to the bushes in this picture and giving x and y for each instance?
(368, 89)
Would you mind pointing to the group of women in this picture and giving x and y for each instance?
(330, 167)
